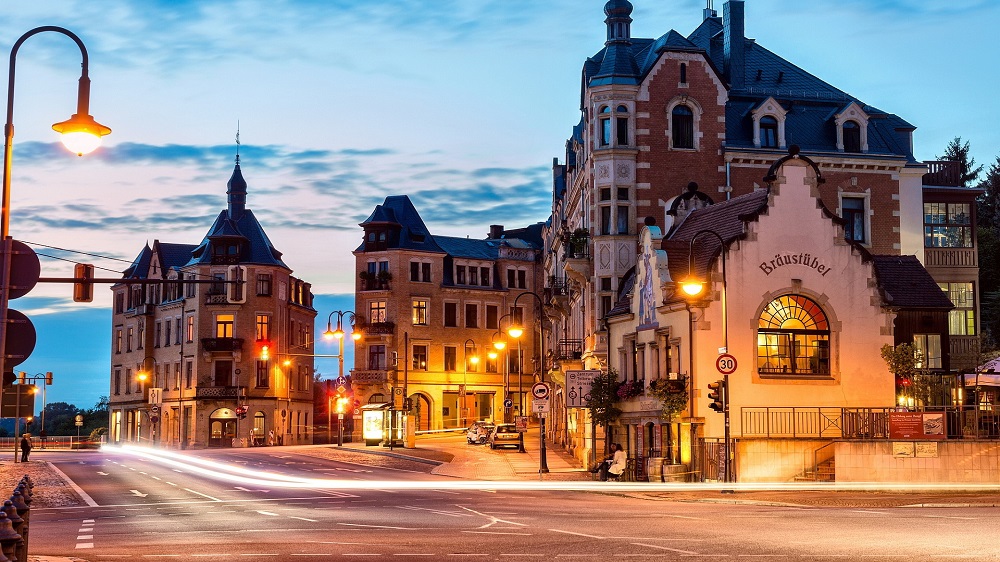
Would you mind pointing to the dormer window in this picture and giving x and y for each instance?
(768, 132)
(852, 129)
(226, 251)
(769, 124)
(852, 137)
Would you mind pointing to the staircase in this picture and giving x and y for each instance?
(825, 471)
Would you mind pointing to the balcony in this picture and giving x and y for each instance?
(569, 349)
(376, 328)
(951, 257)
(373, 285)
(217, 392)
(216, 295)
(943, 173)
(222, 344)
(140, 310)
(369, 376)
(964, 352)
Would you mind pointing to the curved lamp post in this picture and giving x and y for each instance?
(338, 334)
(463, 396)
(692, 286)
(516, 331)
(80, 133)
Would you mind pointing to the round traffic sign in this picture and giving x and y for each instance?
(508, 403)
(726, 364)
(540, 390)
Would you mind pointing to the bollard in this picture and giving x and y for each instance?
(16, 523)
(8, 538)
(25, 493)
(17, 501)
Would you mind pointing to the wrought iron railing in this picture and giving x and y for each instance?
(569, 349)
(861, 423)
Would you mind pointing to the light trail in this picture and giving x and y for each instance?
(225, 472)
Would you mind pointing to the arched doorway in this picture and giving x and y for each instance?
(221, 428)
(259, 429)
(421, 412)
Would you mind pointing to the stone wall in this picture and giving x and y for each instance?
(942, 461)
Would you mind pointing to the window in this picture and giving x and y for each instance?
(961, 320)
(190, 290)
(491, 364)
(623, 194)
(682, 127)
(188, 374)
(927, 348)
(606, 220)
(768, 132)
(514, 357)
(947, 225)
(471, 315)
(119, 302)
(376, 357)
(622, 225)
(450, 315)
(262, 378)
(852, 136)
(177, 332)
(223, 373)
(522, 279)
(419, 312)
(168, 325)
(140, 334)
(158, 334)
(460, 274)
(128, 339)
(263, 284)
(263, 327)
(517, 315)
(224, 325)
(376, 312)
(118, 381)
(414, 271)
(473, 275)
(484, 276)
(605, 125)
(605, 194)
(853, 211)
(793, 338)
(190, 329)
(492, 316)
(684, 73)
(425, 272)
(450, 358)
(621, 126)
(471, 358)
(419, 354)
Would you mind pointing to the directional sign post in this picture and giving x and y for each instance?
(578, 384)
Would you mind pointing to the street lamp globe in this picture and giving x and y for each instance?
(80, 133)
(515, 331)
(692, 286)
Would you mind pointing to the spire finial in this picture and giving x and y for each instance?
(237, 142)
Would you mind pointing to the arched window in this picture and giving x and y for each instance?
(682, 126)
(621, 126)
(768, 132)
(852, 137)
(605, 123)
(793, 338)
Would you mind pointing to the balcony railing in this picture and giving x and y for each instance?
(222, 344)
(951, 257)
(569, 349)
(217, 392)
(861, 423)
(377, 328)
(944, 173)
(374, 285)
(140, 310)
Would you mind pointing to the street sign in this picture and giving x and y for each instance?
(17, 401)
(726, 364)
(397, 398)
(540, 390)
(508, 403)
(155, 410)
(578, 384)
(155, 396)
(540, 406)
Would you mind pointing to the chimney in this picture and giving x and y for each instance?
(496, 231)
(734, 57)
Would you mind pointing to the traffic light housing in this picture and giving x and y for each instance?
(342, 404)
(48, 378)
(83, 291)
(717, 394)
(263, 350)
(241, 411)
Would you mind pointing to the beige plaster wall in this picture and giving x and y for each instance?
(955, 462)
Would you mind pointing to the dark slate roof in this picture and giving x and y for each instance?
(727, 219)
(469, 247)
(398, 211)
(261, 250)
(904, 283)
(174, 255)
(140, 265)
(531, 234)
(623, 305)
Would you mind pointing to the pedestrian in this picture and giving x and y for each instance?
(618, 461)
(25, 446)
(270, 438)
(44, 437)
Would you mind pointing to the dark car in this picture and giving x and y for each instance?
(478, 432)
(506, 435)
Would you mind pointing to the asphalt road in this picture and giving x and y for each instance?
(148, 509)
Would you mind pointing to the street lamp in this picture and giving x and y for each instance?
(516, 331)
(463, 395)
(338, 334)
(80, 127)
(692, 286)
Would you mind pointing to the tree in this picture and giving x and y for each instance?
(603, 401)
(673, 396)
(988, 204)
(958, 152)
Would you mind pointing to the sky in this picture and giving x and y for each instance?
(460, 104)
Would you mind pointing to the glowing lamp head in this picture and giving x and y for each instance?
(338, 333)
(474, 359)
(515, 331)
(692, 286)
(492, 354)
(142, 376)
(329, 334)
(81, 134)
(356, 336)
(499, 344)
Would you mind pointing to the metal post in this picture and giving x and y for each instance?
(543, 465)
(728, 467)
(17, 417)
(329, 416)
(340, 430)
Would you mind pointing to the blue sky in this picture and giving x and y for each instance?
(460, 104)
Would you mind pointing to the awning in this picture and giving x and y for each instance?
(984, 379)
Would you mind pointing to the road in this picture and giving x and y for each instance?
(149, 508)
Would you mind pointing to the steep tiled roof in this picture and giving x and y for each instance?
(261, 250)
(174, 255)
(905, 283)
(468, 247)
(413, 233)
(140, 265)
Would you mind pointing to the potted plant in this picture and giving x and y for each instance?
(629, 389)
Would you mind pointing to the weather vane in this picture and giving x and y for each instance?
(237, 141)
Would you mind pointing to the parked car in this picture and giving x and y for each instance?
(506, 435)
(479, 432)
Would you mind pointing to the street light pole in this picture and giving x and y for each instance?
(80, 133)
(463, 396)
(693, 286)
(341, 381)
(516, 331)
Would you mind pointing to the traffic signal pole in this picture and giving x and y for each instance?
(725, 401)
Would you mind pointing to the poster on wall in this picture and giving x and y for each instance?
(916, 425)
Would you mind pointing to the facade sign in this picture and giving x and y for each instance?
(808, 260)
(578, 384)
(916, 425)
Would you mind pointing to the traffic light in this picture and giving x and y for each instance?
(263, 350)
(48, 378)
(18, 333)
(241, 411)
(717, 394)
(83, 291)
(342, 402)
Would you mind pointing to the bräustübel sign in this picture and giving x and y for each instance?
(808, 260)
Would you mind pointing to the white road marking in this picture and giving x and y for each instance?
(667, 548)
(171, 483)
(438, 511)
(156, 478)
(85, 538)
(950, 517)
(303, 519)
(102, 473)
(202, 495)
(381, 527)
(577, 534)
(138, 493)
(497, 533)
(85, 545)
(267, 513)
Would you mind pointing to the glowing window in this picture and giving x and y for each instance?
(793, 338)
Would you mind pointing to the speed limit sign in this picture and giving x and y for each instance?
(726, 364)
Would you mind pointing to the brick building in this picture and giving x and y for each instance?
(203, 332)
(427, 305)
(679, 123)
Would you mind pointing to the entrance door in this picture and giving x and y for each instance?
(221, 433)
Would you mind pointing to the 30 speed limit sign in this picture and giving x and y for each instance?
(726, 364)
